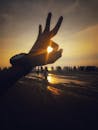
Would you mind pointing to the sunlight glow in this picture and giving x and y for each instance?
(54, 90)
(50, 79)
(49, 49)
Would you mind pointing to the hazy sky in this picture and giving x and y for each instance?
(19, 21)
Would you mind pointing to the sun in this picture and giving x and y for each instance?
(49, 49)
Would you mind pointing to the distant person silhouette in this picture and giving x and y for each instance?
(23, 63)
(45, 73)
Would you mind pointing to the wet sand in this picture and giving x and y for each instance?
(69, 102)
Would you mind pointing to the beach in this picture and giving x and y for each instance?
(65, 101)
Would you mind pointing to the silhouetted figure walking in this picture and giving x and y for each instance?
(45, 73)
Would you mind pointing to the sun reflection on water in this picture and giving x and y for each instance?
(50, 79)
(51, 89)
(54, 91)
(57, 79)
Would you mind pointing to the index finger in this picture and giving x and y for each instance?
(47, 27)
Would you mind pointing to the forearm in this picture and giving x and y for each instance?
(9, 77)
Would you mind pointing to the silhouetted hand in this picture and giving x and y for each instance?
(38, 54)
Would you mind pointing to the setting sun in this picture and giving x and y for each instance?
(49, 49)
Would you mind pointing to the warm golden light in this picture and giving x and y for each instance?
(49, 49)
(54, 90)
(51, 79)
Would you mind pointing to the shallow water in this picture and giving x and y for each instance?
(55, 79)
(58, 79)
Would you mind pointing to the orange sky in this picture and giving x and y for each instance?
(80, 49)
(77, 35)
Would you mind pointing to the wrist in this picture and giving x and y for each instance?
(21, 61)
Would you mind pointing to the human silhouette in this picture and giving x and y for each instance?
(45, 74)
(23, 63)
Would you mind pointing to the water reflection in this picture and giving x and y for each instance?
(51, 79)
(54, 82)
(56, 79)
(54, 91)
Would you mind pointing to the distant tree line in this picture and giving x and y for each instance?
(61, 69)
(81, 68)
(68, 69)
(77, 68)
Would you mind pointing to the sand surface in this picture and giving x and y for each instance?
(69, 100)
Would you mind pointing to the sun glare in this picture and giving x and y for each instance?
(49, 49)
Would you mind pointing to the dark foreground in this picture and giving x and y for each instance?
(71, 102)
